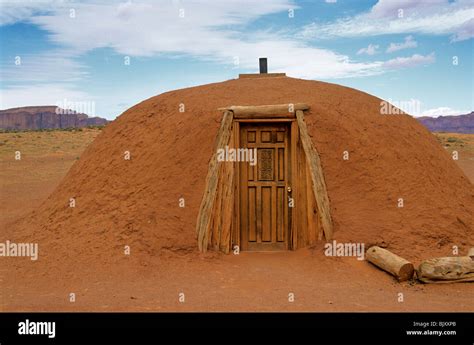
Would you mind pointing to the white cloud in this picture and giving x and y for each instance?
(53, 67)
(147, 28)
(211, 31)
(412, 61)
(392, 8)
(40, 94)
(416, 108)
(443, 111)
(370, 50)
(306, 62)
(437, 17)
(408, 43)
(465, 31)
(12, 11)
(208, 31)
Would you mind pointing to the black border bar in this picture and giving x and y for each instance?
(241, 328)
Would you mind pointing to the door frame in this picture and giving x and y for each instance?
(293, 133)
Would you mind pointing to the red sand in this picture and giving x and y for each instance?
(135, 202)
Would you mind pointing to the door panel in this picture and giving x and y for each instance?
(263, 188)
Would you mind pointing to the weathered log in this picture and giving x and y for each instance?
(391, 263)
(317, 177)
(446, 270)
(276, 110)
(203, 227)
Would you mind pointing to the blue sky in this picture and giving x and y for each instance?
(399, 50)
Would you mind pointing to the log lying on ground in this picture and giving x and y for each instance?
(393, 264)
(446, 270)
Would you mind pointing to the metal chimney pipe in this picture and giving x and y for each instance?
(263, 65)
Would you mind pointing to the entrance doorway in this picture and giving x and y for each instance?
(265, 187)
(279, 203)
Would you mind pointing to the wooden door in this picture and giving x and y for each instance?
(264, 213)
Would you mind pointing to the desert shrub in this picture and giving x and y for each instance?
(95, 127)
(454, 140)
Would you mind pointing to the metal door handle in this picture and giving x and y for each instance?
(289, 189)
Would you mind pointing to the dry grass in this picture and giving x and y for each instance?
(45, 158)
(464, 145)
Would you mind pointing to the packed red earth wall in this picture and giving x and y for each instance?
(136, 202)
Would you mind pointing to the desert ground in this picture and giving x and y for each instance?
(206, 282)
(464, 145)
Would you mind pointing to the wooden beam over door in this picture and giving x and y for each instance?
(259, 111)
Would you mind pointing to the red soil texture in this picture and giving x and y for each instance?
(136, 202)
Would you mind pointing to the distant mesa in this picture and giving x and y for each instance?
(453, 124)
(46, 117)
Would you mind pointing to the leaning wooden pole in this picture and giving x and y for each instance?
(204, 217)
(317, 176)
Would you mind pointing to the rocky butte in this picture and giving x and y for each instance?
(452, 124)
(45, 117)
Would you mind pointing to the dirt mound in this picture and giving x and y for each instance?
(135, 202)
